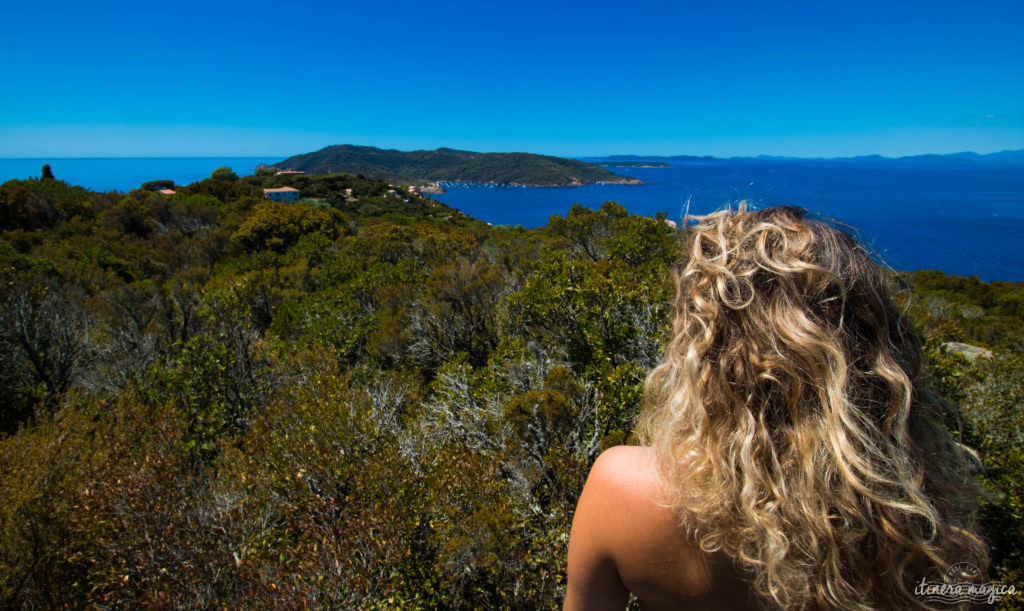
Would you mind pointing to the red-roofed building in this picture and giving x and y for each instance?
(282, 194)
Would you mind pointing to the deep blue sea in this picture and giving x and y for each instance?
(961, 220)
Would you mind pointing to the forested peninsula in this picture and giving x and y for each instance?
(362, 398)
(450, 165)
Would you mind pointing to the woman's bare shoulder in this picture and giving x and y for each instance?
(611, 509)
(626, 514)
(634, 512)
(631, 471)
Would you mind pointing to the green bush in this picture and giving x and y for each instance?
(212, 400)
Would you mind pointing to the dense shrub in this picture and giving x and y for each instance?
(212, 400)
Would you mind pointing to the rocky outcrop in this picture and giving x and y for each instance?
(967, 351)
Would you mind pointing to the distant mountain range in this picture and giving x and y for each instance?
(965, 158)
(450, 165)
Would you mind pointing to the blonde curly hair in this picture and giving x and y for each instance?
(791, 423)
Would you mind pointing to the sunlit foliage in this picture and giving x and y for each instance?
(363, 399)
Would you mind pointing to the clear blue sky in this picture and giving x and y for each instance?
(567, 78)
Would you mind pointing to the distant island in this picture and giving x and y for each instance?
(963, 158)
(450, 165)
(635, 164)
(969, 158)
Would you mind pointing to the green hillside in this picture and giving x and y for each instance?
(451, 165)
(363, 399)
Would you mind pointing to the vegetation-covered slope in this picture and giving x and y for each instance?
(451, 165)
(361, 399)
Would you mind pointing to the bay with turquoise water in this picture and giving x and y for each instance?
(964, 220)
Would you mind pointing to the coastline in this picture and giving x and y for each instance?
(659, 166)
(488, 183)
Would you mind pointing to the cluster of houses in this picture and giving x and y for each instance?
(291, 194)
(280, 194)
(283, 194)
